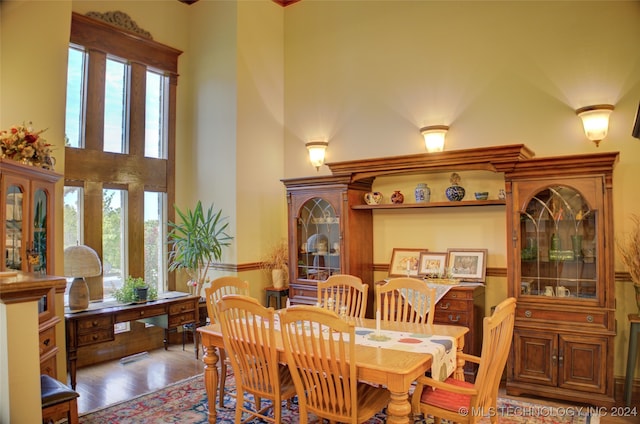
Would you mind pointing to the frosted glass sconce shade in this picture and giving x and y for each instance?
(595, 120)
(434, 137)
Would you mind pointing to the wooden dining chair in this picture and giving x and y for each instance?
(320, 349)
(343, 290)
(446, 399)
(249, 335)
(406, 299)
(213, 294)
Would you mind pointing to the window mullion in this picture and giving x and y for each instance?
(138, 90)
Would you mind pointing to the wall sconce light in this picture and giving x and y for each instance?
(434, 137)
(316, 152)
(595, 120)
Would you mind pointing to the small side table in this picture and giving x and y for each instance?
(634, 333)
(278, 293)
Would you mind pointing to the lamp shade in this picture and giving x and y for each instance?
(316, 152)
(81, 261)
(595, 120)
(434, 137)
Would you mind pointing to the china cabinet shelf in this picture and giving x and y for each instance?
(433, 204)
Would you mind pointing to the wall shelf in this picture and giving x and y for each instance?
(433, 204)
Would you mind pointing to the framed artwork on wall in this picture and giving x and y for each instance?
(432, 264)
(404, 262)
(467, 264)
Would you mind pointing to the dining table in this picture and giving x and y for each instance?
(389, 367)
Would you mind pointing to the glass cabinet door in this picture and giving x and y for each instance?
(318, 230)
(37, 252)
(558, 246)
(14, 229)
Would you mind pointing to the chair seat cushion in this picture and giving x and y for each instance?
(444, 399)
(54, 392)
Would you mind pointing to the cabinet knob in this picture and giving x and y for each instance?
(454, 320)
(94, 323)
(589, 318)
(528, 314)
(46, 342)
(445, 306)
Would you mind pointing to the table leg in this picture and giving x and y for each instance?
(399, 408)
(210, 359)
(632, 356)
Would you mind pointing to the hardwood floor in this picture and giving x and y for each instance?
(115, 381)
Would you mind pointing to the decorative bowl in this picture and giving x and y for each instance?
(482, 195)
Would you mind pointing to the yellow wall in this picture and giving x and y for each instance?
(495, 72)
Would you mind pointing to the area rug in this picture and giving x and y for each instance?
(185, 402)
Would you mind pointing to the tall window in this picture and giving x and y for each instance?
(120, 128)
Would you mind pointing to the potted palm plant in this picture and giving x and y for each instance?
(196, 241)
(276, 263)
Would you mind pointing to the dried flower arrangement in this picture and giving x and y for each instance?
(276, 258)
(629, 249)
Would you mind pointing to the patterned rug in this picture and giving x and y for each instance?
(185, 402)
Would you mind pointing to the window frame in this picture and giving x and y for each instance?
(92, 168)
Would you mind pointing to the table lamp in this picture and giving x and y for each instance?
(80, 261)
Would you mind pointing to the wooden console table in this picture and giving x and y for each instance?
(96, 325)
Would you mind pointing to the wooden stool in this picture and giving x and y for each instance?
(278, 294)
(58, 401)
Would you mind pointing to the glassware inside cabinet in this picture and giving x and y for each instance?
(13, 228)
(318, 240)
(558, 245)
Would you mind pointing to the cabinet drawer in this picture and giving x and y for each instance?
(451, 317)
(48, 367)
(97, 336)
(453, 305)
(311, 293)
(153, 311)
(563, 318)
(93, 324)
(178, 320)
(47, 340)
(182, 307)
(458, 294)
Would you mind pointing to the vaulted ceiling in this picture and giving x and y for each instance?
(283, 3)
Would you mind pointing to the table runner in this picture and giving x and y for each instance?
(441, 348)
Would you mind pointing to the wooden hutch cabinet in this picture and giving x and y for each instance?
(561, 270)
(26, 208)
(326, 236)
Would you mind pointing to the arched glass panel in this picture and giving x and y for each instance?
(318, 240)
(558, 252)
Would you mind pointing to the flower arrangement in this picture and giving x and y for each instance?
(629, 249)
(22, 143)
(277, 258)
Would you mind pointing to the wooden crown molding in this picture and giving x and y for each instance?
(285, 3)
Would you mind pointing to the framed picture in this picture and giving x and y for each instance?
(404, 262)
(432, 264)
(467, 264)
